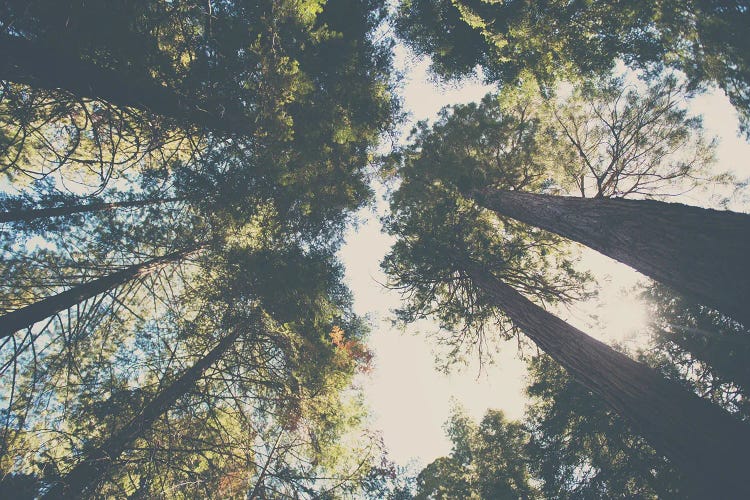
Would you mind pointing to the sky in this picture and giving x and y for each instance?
(410, 399)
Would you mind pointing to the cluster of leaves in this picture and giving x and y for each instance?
(561, 40)
(485, 461)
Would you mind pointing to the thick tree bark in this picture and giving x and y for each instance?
(26, 316)
(700, 253)
(27, 215)
(708, 445)
(89, 472)
(24, 61)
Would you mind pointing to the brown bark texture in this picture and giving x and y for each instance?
(698, 252)
(23, 61)
(26, 316)
(702, 440)
(90, 472)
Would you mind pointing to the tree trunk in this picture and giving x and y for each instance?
(259, 483)
(27, 215)
(91, 470)
(700, 253)
(26, 316)
(708, 445)
(26, 62)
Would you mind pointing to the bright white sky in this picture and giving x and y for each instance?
(410, 399)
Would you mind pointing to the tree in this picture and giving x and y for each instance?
(183, 422)
(498, 154)
(30, 214)
(305, 87)
(44, 66)
(89, 472)
(463, 265)
(564, 41)
(172, 61)
(487, 461)
(665, 241)
(568, 445)
(244, 57)
(306, 165)
(579, 448)
(26, 316)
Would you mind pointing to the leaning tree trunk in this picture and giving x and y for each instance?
(702, 440)
(698, 252)
(26, 316)
(27, 215)
(41, 66)
(90, 472)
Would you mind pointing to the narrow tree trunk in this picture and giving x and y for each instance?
(26, 316)
(91, 470)
(24, 61)
(27, 215)
(262, 477)
(700, 253)
(703, 441)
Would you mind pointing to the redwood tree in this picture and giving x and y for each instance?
(506, 152)
(88, 473)
(698, 252)
(454, 261)
(30, 214)
(26, 316)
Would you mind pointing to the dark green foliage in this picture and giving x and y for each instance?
(487, 461)
(579, 448)
(438, 232)
(549, 41)
(702, 347)
(440, 229)
(569, 445)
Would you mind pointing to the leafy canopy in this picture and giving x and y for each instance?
(512, 41)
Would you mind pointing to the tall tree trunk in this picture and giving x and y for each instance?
(25, 61)
(698, 252)
(26, 316)
(26, 215)
(708, 445)
(89, 472)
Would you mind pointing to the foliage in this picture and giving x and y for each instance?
(257, 166)
(608, 139)
(556, 40)
(569, 445)
(579, 448)
(486, 461)
(701, 347)
(438, 232)
(624, 141)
